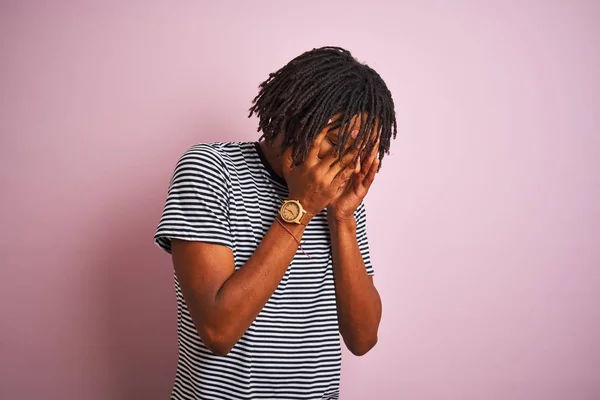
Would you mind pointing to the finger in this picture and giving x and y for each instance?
(358, 166)
(373, 155)
(334, 165)
(343, 177)
(313, 153)
(332, 155)
(370, 159)
(375, 147)
(368, 180)
(327, 147)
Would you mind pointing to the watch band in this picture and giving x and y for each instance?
(305, 219)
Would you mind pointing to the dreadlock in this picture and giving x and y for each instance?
(298, 101)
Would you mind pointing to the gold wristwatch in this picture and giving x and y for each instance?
(292, 212)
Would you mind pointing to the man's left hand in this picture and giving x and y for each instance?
(352, 192)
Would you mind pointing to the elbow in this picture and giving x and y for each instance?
(217, 341)
(362, 347)
(219, 348)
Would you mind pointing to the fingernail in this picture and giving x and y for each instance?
(354, 134)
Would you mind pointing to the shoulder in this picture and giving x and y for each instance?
(217, 154)
(205, 162)
(212, 158)
(204, 153)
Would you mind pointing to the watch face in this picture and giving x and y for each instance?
(290, 211)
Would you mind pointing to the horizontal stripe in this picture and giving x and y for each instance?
(222, 193)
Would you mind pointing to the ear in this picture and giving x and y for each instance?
(287, 159)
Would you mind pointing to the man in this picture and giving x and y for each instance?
(269, 240)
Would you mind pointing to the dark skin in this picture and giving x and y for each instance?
(223, 302)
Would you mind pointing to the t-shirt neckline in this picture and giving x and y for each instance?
(268, 167)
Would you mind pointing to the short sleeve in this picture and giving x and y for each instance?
(361, 237)
(197, 206)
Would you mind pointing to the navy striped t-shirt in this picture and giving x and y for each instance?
(226, 194)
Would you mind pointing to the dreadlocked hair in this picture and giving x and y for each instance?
(299, 100)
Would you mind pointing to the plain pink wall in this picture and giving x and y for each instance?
(484, 223)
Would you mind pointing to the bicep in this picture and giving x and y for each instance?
(201, 269)
(361, 237)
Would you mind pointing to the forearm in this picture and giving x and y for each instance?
(358, 302)
(243, 295)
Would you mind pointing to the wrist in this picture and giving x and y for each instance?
(307, 207)
(293, 211)
(340, 219)
(297, 229)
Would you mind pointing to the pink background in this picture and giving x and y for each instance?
(484, 223)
